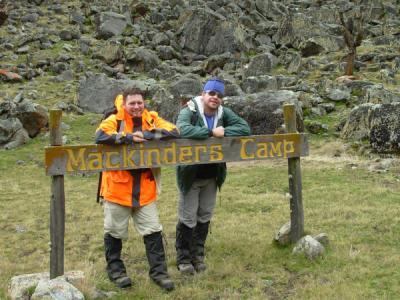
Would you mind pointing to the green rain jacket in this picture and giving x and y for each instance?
(192, 125)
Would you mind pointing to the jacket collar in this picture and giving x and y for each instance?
(124, 116)
(198, 102)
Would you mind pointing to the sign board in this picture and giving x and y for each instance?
(61, 160)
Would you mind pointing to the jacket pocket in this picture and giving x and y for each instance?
(119, 176)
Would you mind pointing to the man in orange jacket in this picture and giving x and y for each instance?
(132, 193)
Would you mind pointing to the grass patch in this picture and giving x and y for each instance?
(357, 209)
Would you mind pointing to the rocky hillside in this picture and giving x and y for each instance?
(77, 55)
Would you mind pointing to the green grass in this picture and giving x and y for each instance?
(357, 209)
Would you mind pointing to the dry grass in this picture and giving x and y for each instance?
(357, 209)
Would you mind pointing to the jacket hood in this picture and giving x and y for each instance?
(119, 100)
(199, 103)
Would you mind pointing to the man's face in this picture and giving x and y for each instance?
(134, 105)
(211, 100)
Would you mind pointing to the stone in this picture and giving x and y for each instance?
(57, 288)
(283, 235)
(97, 92)
(322, 238)
(337, 94)
(20, 285)
(109, 24)
(264, 111)
(311, 248)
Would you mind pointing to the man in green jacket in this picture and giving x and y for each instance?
(202, 118)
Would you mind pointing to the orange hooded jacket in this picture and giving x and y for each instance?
(132, 188)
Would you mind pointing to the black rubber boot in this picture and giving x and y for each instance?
(115, 266)
(184, 238)
(200, 233)
(156, 256)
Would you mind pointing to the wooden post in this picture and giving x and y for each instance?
(294, 174)
(57, 204)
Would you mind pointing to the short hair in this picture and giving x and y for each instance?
(132, 91)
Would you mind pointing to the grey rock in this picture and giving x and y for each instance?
(97, 92)
(378, 94)
(20, 285)
(357, 125)
(69, 34)
(316, 127)
(32, 18)
(318, 111)
(264, 111)
(33, 117)
(142, 59)
(385, 127)
(57, 288)
(260, 65)
(167, 53)
(207, 32)
(109, 24)
(328, 107)
(311, 248)
(378, 123)
(12, 133)
(66, 75)
(283, 235)
(339, 94)
(186, 87)
(322, 238)
(255, 84)
(110, 53)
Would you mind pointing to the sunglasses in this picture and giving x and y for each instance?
(214, 93)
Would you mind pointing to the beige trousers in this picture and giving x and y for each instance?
(116, 219)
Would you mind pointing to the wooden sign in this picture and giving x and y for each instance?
(95, 158)
(60, 160)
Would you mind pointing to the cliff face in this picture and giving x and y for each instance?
(79, 54)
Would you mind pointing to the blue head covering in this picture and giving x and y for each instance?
(214, 84)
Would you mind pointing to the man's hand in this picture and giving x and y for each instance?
(218, 132)
(138, 136)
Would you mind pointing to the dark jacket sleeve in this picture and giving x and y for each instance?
(107, 133)
(187, 129)
(234, 125)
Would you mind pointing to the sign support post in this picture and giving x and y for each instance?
(57, 204)
(294, 174)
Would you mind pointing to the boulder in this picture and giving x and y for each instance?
(97, 92)
(142, 59)
(311, 248)
(20, 285)
(208, 32)
(260, 65)
(378, 94)
(255, 84)
(385, 127)
(57, 288)
(33, 116)
(357, 125)
(264, 111)
(12, 133)
(378, 123)
(283, 235)
(186, 87)
(109, 24)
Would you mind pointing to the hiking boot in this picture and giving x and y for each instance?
(165, 283)
(199, 266)
(184, 238)
(186, 269)
(200, 233)
(123, 282)
(156, 257)
(115, 266)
